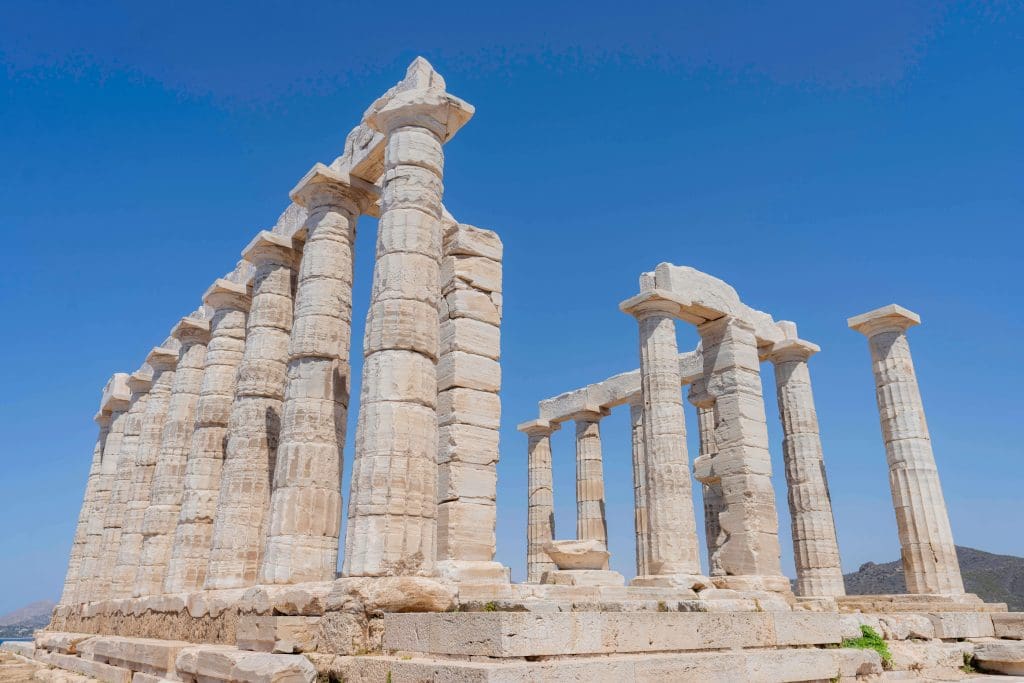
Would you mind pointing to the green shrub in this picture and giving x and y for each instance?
(870, 640)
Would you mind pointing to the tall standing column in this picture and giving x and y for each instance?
(636, 420)
(749, 526)
(815, 548)
(930, 564)
(115, 403)
(229, 304)
(590, 517)
(169, 476)
(254, 427)
(540, 527)
(672, 530)
(163, 360)
(139, 383)
(392, 514)
(712, 485)
(305, 509)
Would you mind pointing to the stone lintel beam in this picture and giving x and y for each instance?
(891, 318)
(362, 195)
(116, 393)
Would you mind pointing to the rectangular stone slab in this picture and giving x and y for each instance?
(522, 634)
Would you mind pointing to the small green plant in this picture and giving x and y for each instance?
(491, 606)
(870, 640)
(662, 607)
(835, 679)
(968, 665)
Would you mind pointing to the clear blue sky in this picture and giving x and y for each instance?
(824, 158)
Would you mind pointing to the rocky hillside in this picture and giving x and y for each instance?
(994, 578)
(22, 622)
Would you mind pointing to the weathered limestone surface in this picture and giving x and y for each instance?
(815, 548)
(393, 506)
(254, 427)
(161, 517)
(929, 557)
(229, 304)
(712, 485)
(590, 519)
(636, 421)
(540, 528)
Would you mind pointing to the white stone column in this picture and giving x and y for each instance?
(749, 552)
(815, 548)
(636, 419)
(672, 530)
(139, 383)
(393, 508)
(540, 528)
(930, 563)
(239, 530)
(161, 517)
(712, 485)
(193, 535)
(591, 524)
(163, 360)
(115, 402)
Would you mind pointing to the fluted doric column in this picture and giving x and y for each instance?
(815, 548)
(712, 486)
(749, 551)
(305, 509)
(163, 360)
(930, 563)
(636, 420)
(591, 524)
(139, 383)
(161, 517)
(672, 531)
(229, 304)
(540, 527)
(115, 402)
(393, 505)
(242, 506)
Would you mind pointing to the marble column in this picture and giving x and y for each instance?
(674, 555)
(139, 383)
(748, 553)
(161, 517)
(163, 360)
(930, 563)
(229, 305)
(393, 508)
(540, 527)
(815, 548)
(590, 516)
(115, 403)
(712, 485)
(305, 509)
(239, 529)
(636, 419)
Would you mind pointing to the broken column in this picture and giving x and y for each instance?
(929, 556)
(636, 420)
(305, 509)
(815, 549)
(590, 518)
(468, 405)
(712, 485)
(254, 427)
(229, 304)
(169, 475)
(393, 507)
(540, 529)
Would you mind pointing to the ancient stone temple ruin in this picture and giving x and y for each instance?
(208, 541)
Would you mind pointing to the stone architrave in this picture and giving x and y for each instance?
(393, 504)
(930, 563)
(748, 552)
(672, 531)
(540, 528)
(229, 305)
(161, 517)
(305, 508)
(115, 403)
(163, 360)
(139, 383)
(712, 486)
(254, 427)
(636, 420)
(815, 548)
(590, 516)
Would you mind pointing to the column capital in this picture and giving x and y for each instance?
(655, 301)
(322, 186)
(891, 318)
(420, 100)
(538, 427)
(162, 358)
(141, 380)
(269, 247)
(590, 413)
(227, 294)
(699, 396)
(191, 330)
(792, 349)
(102, 418)
(116, 393)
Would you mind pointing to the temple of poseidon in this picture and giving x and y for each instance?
(207, 545)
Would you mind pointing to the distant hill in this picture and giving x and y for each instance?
(22, 622)
(994, 578)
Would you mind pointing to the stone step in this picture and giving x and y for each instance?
(528, 634)
(1000, 656)
(210, 663)
(1009, 625)
(140, 655)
